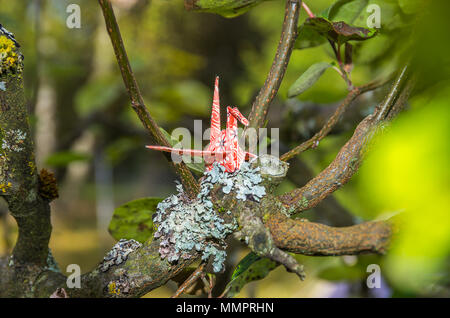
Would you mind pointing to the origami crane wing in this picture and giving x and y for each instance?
(191, 152)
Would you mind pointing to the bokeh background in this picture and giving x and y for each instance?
(87, 134)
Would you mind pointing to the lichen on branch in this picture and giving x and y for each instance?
(185, 225)
(10, 58)
(19, 182)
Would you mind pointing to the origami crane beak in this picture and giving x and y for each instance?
(237, 114)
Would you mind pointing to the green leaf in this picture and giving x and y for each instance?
(133, 220)
(410, 6)
(308, 78)
(244, 264)
(226, 8)
(339, 32)
(172, 141)
(198, 167)
(250, 268)
(315, 31)
(308, 37)
(63, 158)
(346, 10)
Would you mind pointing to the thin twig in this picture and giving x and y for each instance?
(190, 280)
(137, 102)
(347, 161)
(209, 283)
(275, 77)
(383, 109)
(333, 120)
(401, 100)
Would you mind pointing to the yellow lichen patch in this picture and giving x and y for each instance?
(113, 289)
(5, 186)
(9, 59)
(32, 167)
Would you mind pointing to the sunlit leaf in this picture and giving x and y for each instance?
(133, 220)
(308, 78)
(249, 269)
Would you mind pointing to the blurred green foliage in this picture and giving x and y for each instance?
(408, 173)
(64, 158)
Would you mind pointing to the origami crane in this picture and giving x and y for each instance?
(224, 144)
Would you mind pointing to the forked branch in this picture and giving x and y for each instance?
(347, 161)
(137, 102)
(333, 120)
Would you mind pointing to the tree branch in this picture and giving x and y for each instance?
(308, 238)
(135, 273)
(347, 160)
(267, 93)
(137, 102)
(190, 280)
(401, 100)
(333, 120)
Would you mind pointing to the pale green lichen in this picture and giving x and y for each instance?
(51, 263)
(304, 203)
(187, 225)
(10, 59)
(119, 253)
